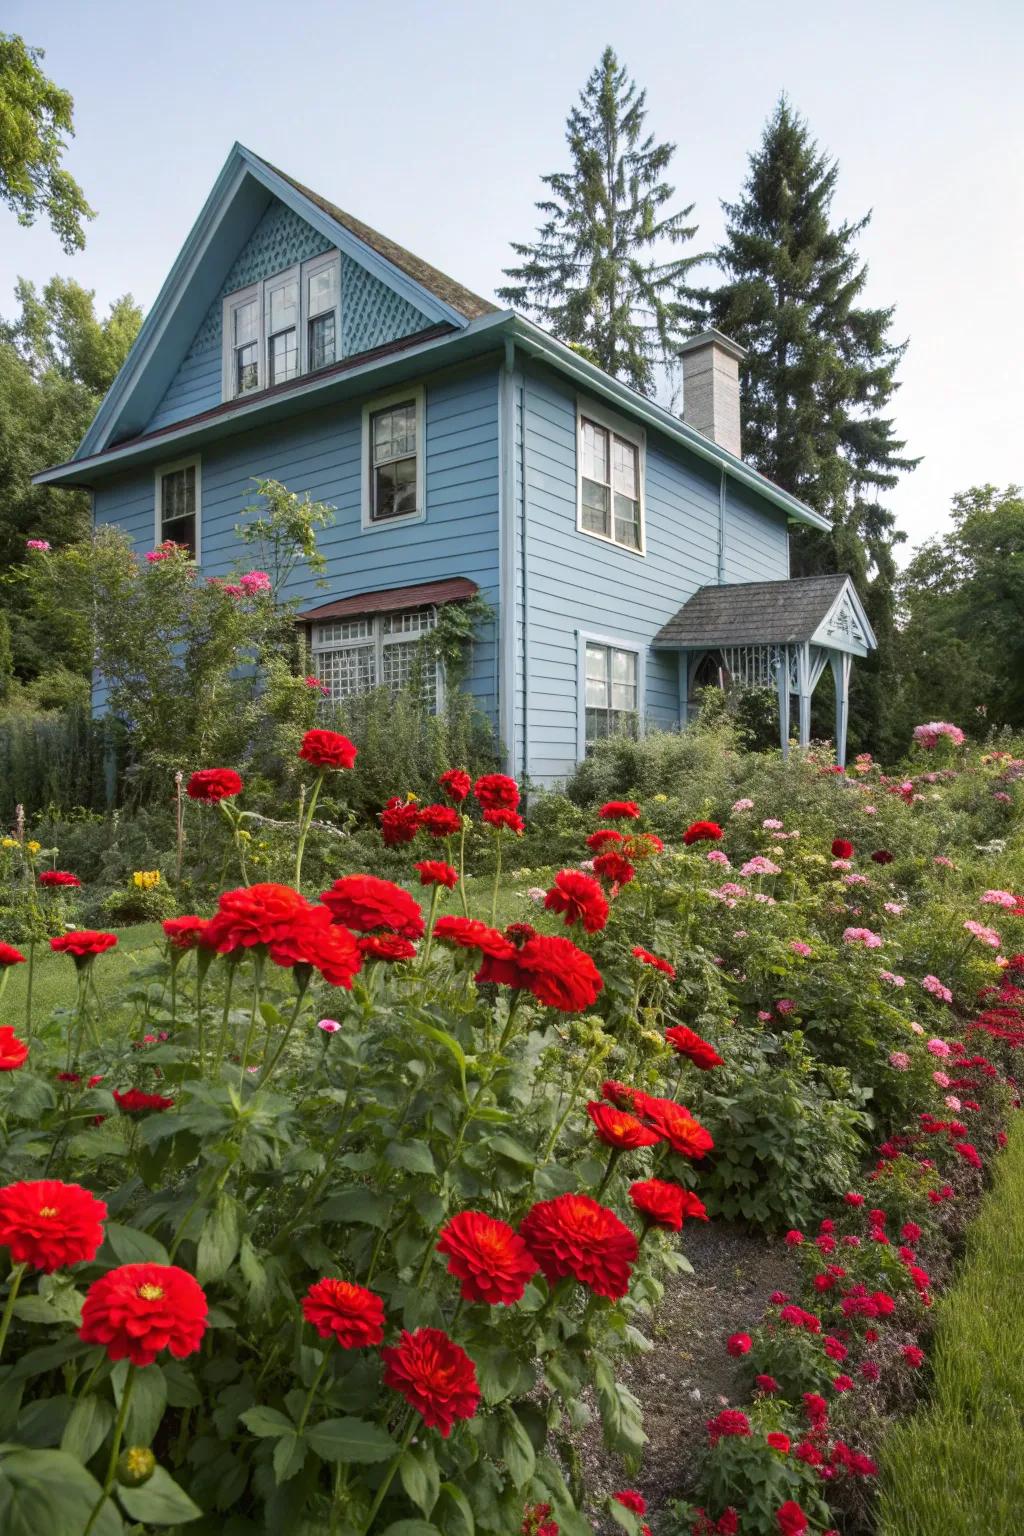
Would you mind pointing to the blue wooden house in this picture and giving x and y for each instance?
(629, 556)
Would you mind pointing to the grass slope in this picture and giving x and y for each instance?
(957, 1467)
(54, 985)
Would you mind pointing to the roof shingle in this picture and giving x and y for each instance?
(752, 613)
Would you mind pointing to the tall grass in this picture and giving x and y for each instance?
(957, 1467)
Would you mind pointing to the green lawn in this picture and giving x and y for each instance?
(957, 1467)
(54, 983)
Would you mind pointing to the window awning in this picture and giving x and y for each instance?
(427, 593)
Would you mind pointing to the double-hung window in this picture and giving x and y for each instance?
(351, 656)
(320, 299)
(393, 480)
(611, 468)
(242, 342)
(281, 322)
(178, 498)
(612, 692)
(282, 326)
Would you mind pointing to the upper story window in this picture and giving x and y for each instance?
(393, 454)
(284, 326)
(178, 505)
(351, 656)
(610, 462)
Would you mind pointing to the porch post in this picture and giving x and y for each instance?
(803, 675)
(782, 679)
(841, 674)
(683, 683)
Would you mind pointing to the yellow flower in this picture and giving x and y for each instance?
(9, 842)
(660, 799)
(33, 847)
(145, 879)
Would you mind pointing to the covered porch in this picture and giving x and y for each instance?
(772, 634)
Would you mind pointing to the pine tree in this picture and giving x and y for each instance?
(593, 277)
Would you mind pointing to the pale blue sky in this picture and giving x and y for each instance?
(433, 122)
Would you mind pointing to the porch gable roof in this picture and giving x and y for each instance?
(804, 608)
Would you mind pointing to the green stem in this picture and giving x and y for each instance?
(303, 984)
(307, 1405)
(115, 1450)
(382, 1491)
(5, 1322)
(573, 1091)
(307, 822)
(222, 1042)
(616, 1154)
(497, 879)
(256, 980)
(462, 867)
(31, 979)
(321, 1179)
(435, 893)
(200, 1037)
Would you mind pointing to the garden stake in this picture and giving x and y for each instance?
(15, 1282)
(115, 1450)
(30, 978)
(305, 822)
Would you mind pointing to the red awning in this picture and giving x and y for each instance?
(428, 593)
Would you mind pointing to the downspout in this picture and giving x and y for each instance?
(526, 598)
(721, 529)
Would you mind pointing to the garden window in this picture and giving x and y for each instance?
(612, 694)
(610, 483)
(352, 656)
(178, 506)
(393, 459)
(283, 326)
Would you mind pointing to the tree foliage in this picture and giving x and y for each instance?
(594, 275)
(36, 117)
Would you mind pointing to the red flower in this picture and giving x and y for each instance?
(315, 941)
(573, 1235)
(365, 903)
(456, 784)
(440, 820)
(635, 1503)
(614, 868)
(536, 1522)
(688, 1044)
(137, 1310)
(684, 1134)
(212, 785)
(702, 832)
(399, 821)
(617, 1128)
(185, 932)
(815, 1408)
(580, 898)
(56, 877)
(619, 810)
(434, 1375)
(471, 933)
(656, 961)
(778, 1441)
(437, 872)
(558, 974)
(491, 1260)
(10, 956)
(327, 749)
(789, 1517)
(505, 820)
(641, 845)
(496, 791)
(83, 944)
(881, 856)
(739, 1344)
(604, 837)
(767, 1384)
(349, 1313)
(662, 1204)
(385, 946)
(256, 914)
(729, 1422)
(50, 1225)
(913, 1356)
(134, 1102)
(841, 849)
(843, 1383)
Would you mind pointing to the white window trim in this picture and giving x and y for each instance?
(395, 397)
(290, 274)
(617, 643)
(622, 427)
(259, 292)
(158, 514)
(377, 641)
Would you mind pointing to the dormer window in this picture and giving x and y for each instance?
(283, 326)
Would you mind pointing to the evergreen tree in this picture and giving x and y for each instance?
(593, 277)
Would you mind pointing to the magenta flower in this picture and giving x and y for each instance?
(862, 936)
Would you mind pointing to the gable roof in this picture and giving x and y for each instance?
(765, 613)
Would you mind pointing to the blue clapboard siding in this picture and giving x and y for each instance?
(320, 453)
(756, 537)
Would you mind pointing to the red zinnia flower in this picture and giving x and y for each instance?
(635, 1503)
(881, 856)
(505, 820)
(688, 1044)
(437, 872)
(385, 946)
(641, 845)
(618, 1128)
(789, 1517)
(619, 810)
(573, 1235)
(364, 903)
(349, 1313)
(778, 1441)
(729, 1422)
(665, 966)
(614, 868)
(702, 832)
(496, 791)
(558, 974)
(137, 1310)
(471, 933)
(604, 837)
(662, 1204)
(440, 820)
(185, 932)
(913, 1355)
(491, 1260)
(83, 944)
(841, 849)
(256, 914)
(10, 956)
(49, 1225)
(684, 1134)
(739, 1344)
(399, 821)
(434, 1375)
(327, 749)
(580, 898)
(212, 785)
(316, 941)
(767, 1384)
(55, 877)
(456, 784)
(134, 1102)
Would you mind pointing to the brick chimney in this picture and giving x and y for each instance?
(711, 387)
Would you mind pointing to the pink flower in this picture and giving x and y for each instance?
(716, 856)
(895, 908)
(771, 825)
(985, 935)
(760, 866)
(253, 582)
(1001, 797)
(900, 1060)
(933, 985)
(871, 810)
(917, 1028)
(941, 1079)
(785, 1005)
(329, 1026)
(41, 544)
(315, 683)
(892, 979)
(800, 948)
(862, 936)
(856, 880)
(938, 1048)
(998, 899)
(743, 805)
(841, 864)
(930, 735)
(952, 1102)
(943, 863)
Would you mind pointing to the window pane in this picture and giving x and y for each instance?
(595, 508)
(404, 666)
(625, 467)
(321, 340)
(624, 689)
(622, 724)
(322, 290)
(394, 489)
(627, 522)
(597, 676)
(412, 621)
(246, 323)
(178, 493)
(394, 432)
(326, 635)
(348, 671)
(247, 372)
(596, 725)
(283, 356)
(182, 530)
(595, 452)
(283, 302)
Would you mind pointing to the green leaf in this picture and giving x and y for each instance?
(411, 1528)
(456, 1513)
(451, 1045)
(350, 1440)
(148, 1401)
(49, 1491)
(158, 1501)
(416, 1156)
(625, 1517)
(218, 1241)
(420, 1477)
(91, 1419)
(289, 1455)
(507, 1146)
(132, 1247)
(358, 1203)
(621, 1417)
(517, 1450)
(267, 1422)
